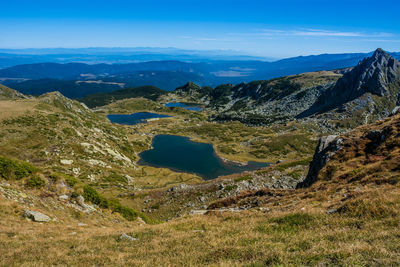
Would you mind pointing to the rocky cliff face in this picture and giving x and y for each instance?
(378, 75)
(369, 153)
(326, 148)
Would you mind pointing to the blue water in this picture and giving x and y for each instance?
(181, 154)
(134, 118)
(182, 105)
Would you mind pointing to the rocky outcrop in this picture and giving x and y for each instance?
(36, 216)
(326, 148)
(378, 75)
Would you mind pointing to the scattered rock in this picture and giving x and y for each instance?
(178, 188)
(63, 197)
(80, 200)
(330, 211)
(198, 212)
(66, 161)
(127, 237)
(36, 216)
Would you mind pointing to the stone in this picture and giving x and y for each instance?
(66, 161)
(80, 200)
(36, 216)
(326, 148)
(330, 211)
(63, 197)
(126, 237)
(395, 110)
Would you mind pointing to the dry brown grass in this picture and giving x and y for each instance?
(289, 238)
(15, 108)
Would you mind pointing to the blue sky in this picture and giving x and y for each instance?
(278, 28)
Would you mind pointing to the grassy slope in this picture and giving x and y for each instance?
(283, 227)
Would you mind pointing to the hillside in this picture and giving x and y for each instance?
(348, 216)
(102, 99)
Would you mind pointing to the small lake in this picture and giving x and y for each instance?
(181, 154)
(182, 105)
(134, 118)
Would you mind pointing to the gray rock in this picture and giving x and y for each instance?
(126, 237)
(326, 148)
(63, 197)
(330, 211)
(36, 216)
(80, 200)
(395, 110)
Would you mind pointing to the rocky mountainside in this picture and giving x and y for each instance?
(345, 98)
(367, 154)
(377, 76)
(263, 102)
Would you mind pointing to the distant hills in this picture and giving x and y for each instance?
(76, 80)
(102, 99)
(120, 55)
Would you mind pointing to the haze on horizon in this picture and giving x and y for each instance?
(262, 28)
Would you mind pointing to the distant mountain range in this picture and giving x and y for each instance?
(340, 98)
(121, 55)
(77, 80)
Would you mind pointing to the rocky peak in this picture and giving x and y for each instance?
(377, 75)
(190, 86)
(372, 74)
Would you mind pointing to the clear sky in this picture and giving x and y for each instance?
(279, 28)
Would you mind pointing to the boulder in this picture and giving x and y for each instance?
(395, 110)
(326, 148)
(63, 197)
(36, 216)
(66, 161)
(127, 237)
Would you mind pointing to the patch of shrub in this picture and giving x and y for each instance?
(69, 131)
(90, 194)
(243, 178)
(70, 180)
(15, 170)
(302, 162)
(35, 182)
(115, 178)
(229, 188)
